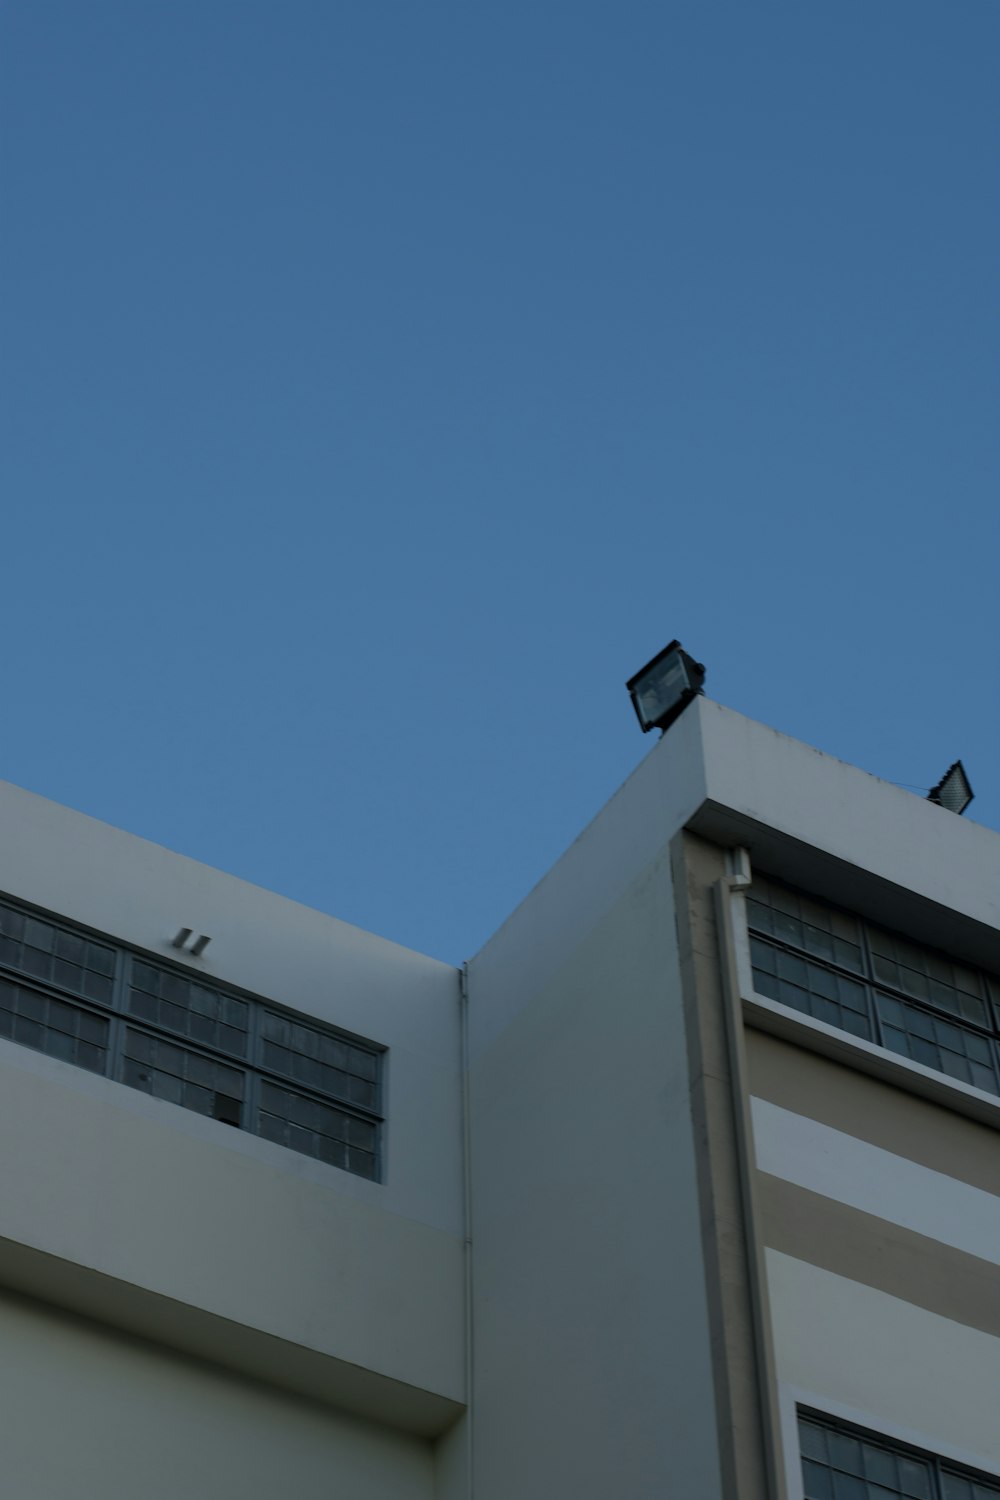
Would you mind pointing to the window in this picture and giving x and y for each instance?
(874, 984)
(94, 1003)
(842, 1462)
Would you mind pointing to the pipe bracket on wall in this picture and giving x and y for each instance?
(180, 940)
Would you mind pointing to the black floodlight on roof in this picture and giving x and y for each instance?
(665, 687)
(953, 790)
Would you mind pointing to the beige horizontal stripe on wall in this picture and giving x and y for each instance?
(862, 1247)
(853, 1171)
(874, 1111)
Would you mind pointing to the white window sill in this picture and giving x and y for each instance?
(791, 1025)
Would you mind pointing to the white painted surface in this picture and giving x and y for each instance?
(227, 1226)
(592, 1349)
(627, 834)
(905, 1368)
(845, 812)
(592, 1365)
(88, 1413)
(135, 891)
(158, 1199)
(853, 1171)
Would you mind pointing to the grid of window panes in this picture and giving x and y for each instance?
(846, 1463)
(913, 1000)
(155, 1028)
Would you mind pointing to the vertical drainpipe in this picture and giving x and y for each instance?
(467, 1197)
(736, 880)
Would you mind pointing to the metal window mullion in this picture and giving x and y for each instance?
(380, 1128)
(993, 998)
(251, 1102)
(117, 1014)
(359, 1111)
(807, 957)
(934, 1462)
(927, 1007)
(352, 1111)
(868, 965)
(990, 1027)
(937, 1480)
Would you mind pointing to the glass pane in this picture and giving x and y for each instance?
(271, 1128)
(758, 916)
(763, 956)
(914, 1478)
(792, 968)
(880, 1465)
(333, 1152)
(983, 1077)
(142, 1005)
(39, 934)
(363, 1064)
(845, 1453)
(90, 1057)
(811, 1440)
(361, 1162)
(789, 929)
(144, 978)
(11, 923)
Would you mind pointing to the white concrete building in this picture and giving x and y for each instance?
(693, 1170)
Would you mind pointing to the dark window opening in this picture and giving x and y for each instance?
(844, 1462)
(227, 1109)
(912, 1000)
(181, 1039)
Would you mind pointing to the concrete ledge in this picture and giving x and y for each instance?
(816, 1036)
(252, 1255)
(233, 1346)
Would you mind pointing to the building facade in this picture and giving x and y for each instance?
(688, 1184)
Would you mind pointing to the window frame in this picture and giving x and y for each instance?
(119, 1020)
(874, 986)
(939, 1463)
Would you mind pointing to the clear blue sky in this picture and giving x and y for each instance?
(383, 383)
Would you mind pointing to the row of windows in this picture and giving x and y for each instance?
(875, 984)
(842, 1462)
(165, 1032)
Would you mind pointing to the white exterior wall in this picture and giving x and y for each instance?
(583, 1329)
(854, 1350)
(842, 1346)
(182, 1228)
(877, 1182)
(763, 787)
(590, 1343)
(592, 1373)
(857, 1352)
(867, 1357)
(88, 1413)
(141, 894)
